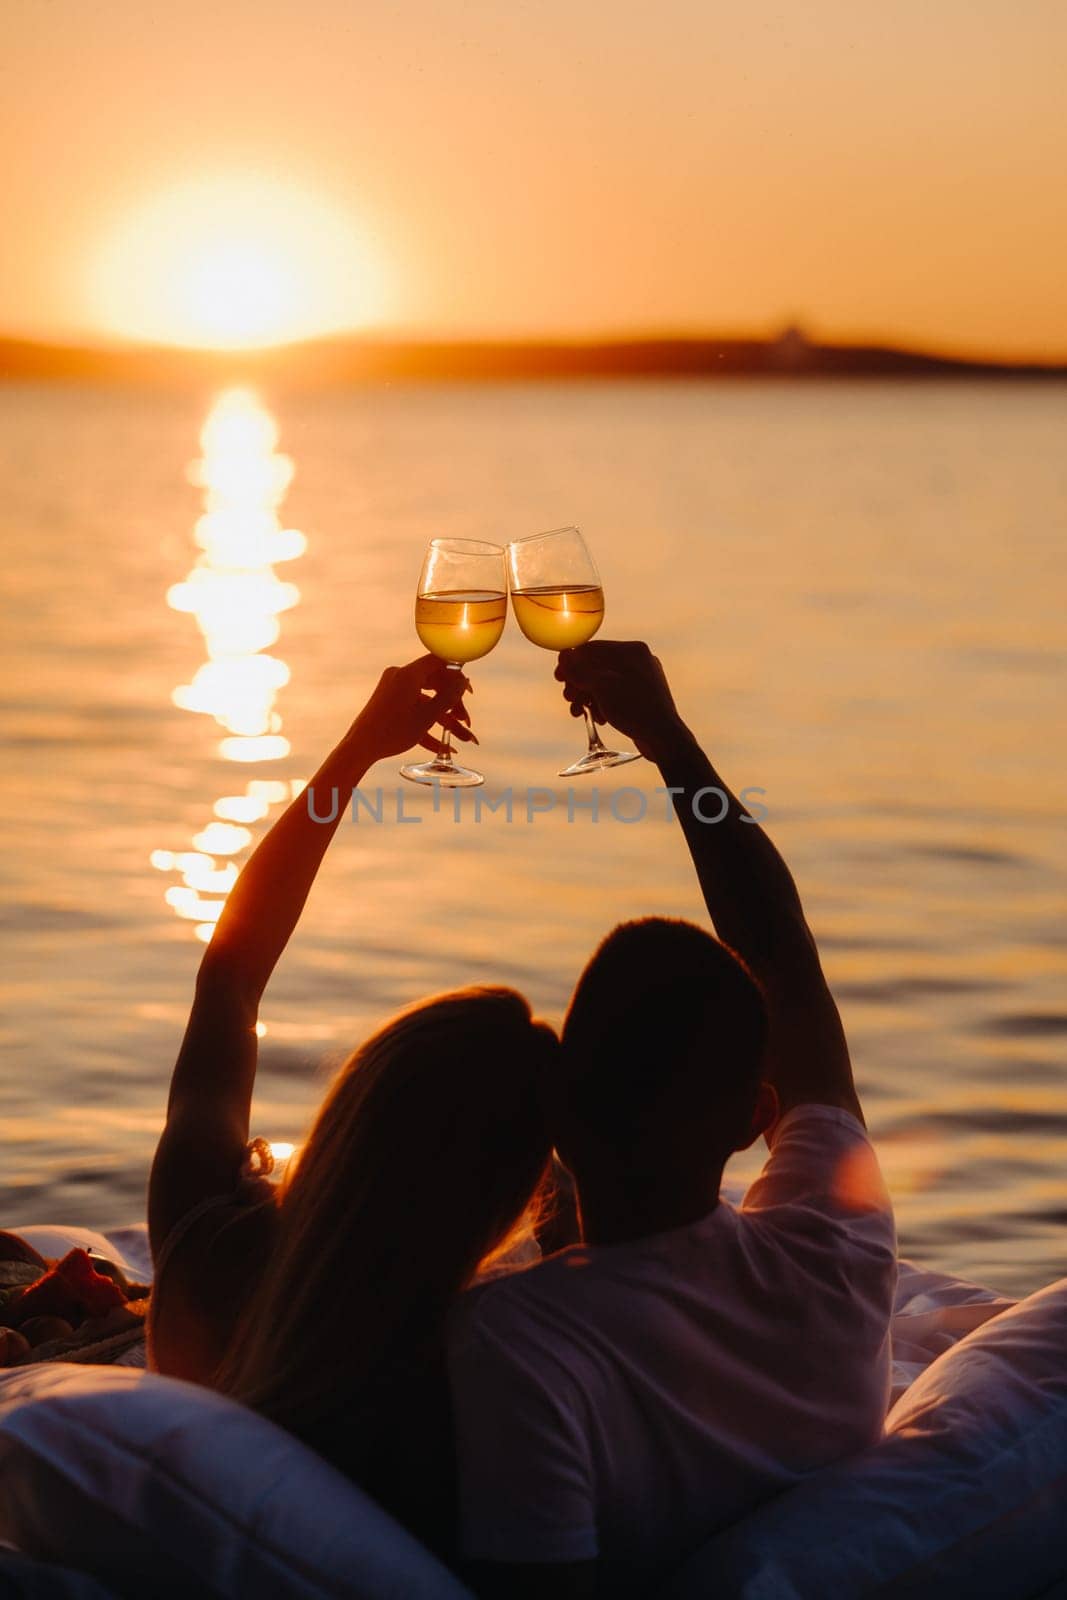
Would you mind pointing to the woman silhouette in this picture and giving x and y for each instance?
(323, 1302)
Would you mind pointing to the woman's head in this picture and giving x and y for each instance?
(423, 1162)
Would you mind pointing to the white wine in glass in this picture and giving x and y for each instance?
(460, 627)
(559, 604)
(559, 619)
(460, 610)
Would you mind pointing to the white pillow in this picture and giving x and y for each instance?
(126, 1247)
(159, 1488)
(965, 1496)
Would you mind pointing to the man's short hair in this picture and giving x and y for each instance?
(662, 1046)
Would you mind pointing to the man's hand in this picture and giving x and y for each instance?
(406, 704)
(623, 683)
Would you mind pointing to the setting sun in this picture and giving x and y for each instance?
(236, 261)
(235, 291)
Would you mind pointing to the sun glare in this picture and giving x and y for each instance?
(236, 292)
(236, 261)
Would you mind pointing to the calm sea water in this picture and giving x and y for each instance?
(859, 593)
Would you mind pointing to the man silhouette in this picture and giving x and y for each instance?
(618, 1402)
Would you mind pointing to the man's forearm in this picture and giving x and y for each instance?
(754, 904)
(747, 887)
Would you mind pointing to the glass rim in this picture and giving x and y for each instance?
(549, 533)
(467, 547)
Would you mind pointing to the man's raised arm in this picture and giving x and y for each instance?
(748, 889)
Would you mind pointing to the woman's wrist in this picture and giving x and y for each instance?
(357, 751)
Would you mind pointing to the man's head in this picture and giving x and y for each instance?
(663, 1046)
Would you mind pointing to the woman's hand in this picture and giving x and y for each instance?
(406, 704)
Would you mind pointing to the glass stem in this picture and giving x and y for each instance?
(596, 743)
(446, 738)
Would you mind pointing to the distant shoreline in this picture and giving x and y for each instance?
(339, 363)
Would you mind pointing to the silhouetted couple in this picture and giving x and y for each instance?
(577, 1424)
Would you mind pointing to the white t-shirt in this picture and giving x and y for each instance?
(625, 1402)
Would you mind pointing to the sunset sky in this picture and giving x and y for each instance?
(223, 171)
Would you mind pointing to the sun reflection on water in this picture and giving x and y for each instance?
(237, 600)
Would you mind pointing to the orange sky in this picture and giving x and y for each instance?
(495, 166)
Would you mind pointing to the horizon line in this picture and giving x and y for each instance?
(602, 339)
(386, 356)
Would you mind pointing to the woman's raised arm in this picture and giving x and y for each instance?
(206, 1131)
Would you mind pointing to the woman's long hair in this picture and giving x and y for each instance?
(423, 1164)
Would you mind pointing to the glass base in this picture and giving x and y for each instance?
(595, 760)
(444, 773)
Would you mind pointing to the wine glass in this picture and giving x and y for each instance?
(559, 603)
(460, 609)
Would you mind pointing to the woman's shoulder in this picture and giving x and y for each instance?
(215, 1212)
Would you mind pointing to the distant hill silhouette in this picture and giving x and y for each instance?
(343, 361)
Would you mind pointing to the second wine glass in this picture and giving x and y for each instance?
(559, 603)
(460, 610)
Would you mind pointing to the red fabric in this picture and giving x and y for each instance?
(72, 1289)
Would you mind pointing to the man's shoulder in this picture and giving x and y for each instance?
(498, 1305)
(552, 1277)
(821, 1200)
